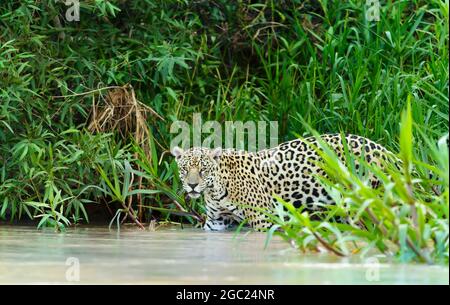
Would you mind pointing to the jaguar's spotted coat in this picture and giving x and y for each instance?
(233, 182)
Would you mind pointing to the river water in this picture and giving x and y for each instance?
(90, 255)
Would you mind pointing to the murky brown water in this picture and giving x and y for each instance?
(180, 256)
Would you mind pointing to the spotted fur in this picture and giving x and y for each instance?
(234, 183)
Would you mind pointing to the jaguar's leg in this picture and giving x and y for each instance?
(259, 220)
(257, 211)
(260, 224)
(217, 220)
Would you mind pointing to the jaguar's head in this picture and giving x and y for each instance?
(198, 168)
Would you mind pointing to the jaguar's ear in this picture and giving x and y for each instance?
(216, 153)
(176, 152)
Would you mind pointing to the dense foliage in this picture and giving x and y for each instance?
(318, 64)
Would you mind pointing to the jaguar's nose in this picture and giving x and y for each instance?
(192, 186)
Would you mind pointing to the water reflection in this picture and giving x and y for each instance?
(174, 255)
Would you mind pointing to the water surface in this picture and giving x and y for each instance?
(185, 256)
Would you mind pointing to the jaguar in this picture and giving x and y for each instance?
(239, 185)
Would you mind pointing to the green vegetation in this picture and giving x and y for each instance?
(407, 214)
(310, 65)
